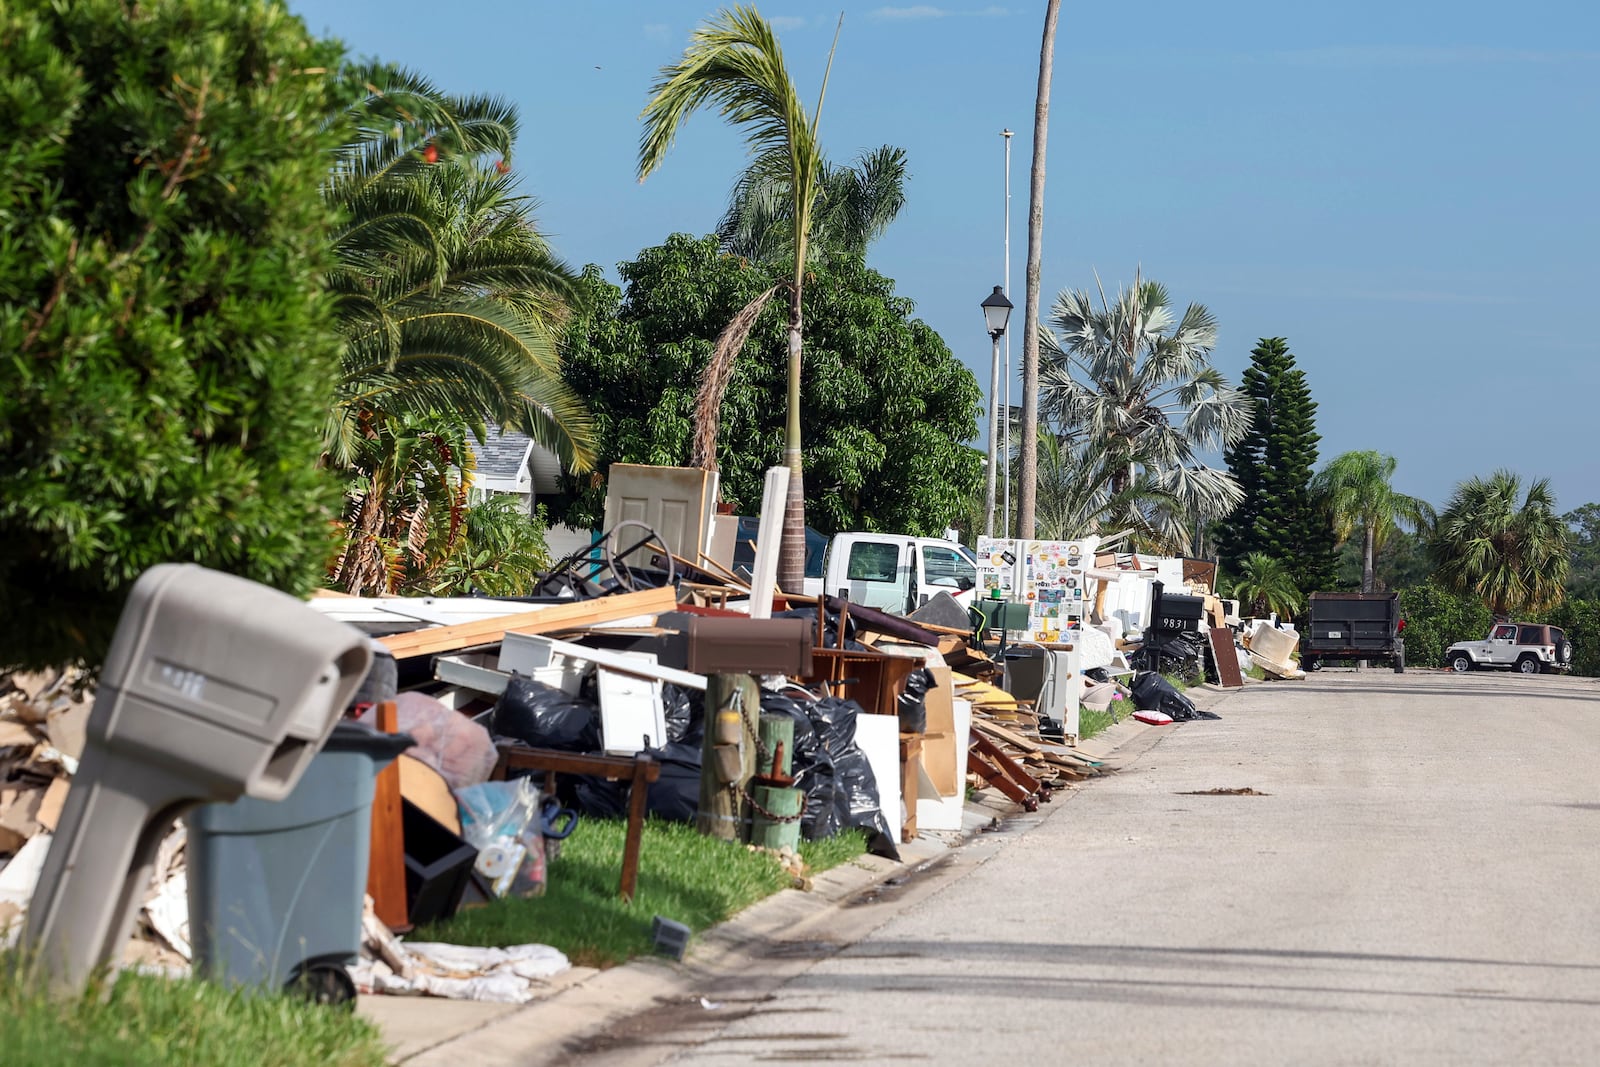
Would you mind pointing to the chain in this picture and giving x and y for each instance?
(754, 803)
(762, 751)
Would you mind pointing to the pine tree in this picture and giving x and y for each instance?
(1273, 464)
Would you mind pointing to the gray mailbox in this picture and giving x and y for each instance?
(215, 687)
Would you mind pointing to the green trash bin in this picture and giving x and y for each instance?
(276, 888)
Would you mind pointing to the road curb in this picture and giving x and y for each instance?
(586, 1004)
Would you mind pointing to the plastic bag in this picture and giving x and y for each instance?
(854, 787)
(546, 717)
(504, 821)
(1151, 692)
(685, 713)
(913, 702)
(459, 749)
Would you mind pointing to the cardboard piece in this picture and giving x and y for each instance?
(943, 760)
(427, 789)
(937, 811)
(49, 812)
(15, 735)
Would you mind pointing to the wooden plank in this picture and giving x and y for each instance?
(1226, 659)
(386, 859)
(553, 618)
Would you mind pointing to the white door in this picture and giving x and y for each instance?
(675, 502)
(1502, 641)
(945, 569)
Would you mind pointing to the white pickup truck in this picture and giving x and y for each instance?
(891, 572)
(895, 573)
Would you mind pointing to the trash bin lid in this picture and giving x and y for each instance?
(350, 736)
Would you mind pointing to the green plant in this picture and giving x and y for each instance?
(166, 333)
(1264, 585)
(887, 407)
(734, 63)
(1134, 382)
(450, 300)
(1513, 557)
(1092, 723)
(149, 1021)
(683, 875)
(1355, 490)
(1437, 618)
(501, 551)
(1273, 464)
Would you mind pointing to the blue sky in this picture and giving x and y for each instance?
(1405, 191)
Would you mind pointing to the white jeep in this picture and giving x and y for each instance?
(1530, 648)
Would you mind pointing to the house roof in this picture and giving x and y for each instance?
(502, 454)
(510, 461)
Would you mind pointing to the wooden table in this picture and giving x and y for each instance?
(639, 771)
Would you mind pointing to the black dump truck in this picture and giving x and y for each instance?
(1353, 626)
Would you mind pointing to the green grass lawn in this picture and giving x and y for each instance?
(158, 1022)
(683, 875)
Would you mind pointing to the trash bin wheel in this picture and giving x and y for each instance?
(324, 983)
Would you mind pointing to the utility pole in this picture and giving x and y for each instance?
(1005, 412)
(1028, 453)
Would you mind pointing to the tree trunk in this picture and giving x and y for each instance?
(792, 551)
(1028, 458)
(1366, 560)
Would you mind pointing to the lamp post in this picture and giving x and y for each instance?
(996, 313)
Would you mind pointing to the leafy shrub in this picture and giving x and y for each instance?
(1436, 619)
(167, 340)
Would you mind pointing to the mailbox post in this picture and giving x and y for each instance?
(215, 687)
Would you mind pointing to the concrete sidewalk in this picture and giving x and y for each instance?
(583, 1004)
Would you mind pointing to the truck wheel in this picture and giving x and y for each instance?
(1312, 663)
(1563, 652)
(1460, 662)
(1528, 664)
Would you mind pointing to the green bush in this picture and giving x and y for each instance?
(1436, 619)
(1580, 619)
(167, 342)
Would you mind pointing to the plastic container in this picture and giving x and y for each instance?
(275, 889)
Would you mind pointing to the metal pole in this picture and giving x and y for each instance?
(994, 432)
(1005, 412)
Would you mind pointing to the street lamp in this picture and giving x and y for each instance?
(996, 313)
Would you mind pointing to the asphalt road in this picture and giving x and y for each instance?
(1419, 884)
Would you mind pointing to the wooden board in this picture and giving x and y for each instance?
(1226, 659)
(556, 617)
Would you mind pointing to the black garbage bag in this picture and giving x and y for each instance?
(686, 713)
(1180, 654)
(913, 702)
(545, 717)
(1151, 692)
(855, 789)
(675, 795)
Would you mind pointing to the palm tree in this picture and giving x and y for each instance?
(1133, 385)
(1265, 585)
(855, 205)
(1515, 557)
(1028, 459)
(734, 63)
(449, 299)
(1355, 490)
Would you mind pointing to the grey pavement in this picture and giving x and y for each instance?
(1415, 885)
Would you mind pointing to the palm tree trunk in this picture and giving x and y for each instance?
(792, 551)
(1028, 460)
(1366, 560)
